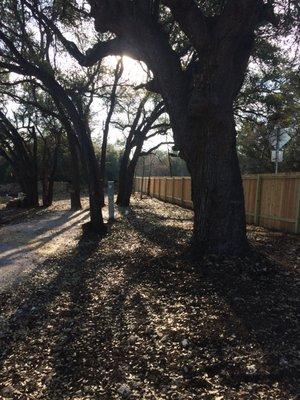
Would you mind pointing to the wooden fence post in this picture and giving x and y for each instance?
(159, 188)
(297, 222)
(173, 187)
(257, 200)
(165, 189)
(182, 191)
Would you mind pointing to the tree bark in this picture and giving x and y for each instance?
(122, 181)
(49, 169)
(75, 173)
(47, 185)
(126, 175)
(217, 191)
(30, 188)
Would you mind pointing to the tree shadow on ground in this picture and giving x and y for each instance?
(166, 236)
(33, 239)
(109, 314)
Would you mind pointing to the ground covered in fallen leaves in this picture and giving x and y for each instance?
(131, 317)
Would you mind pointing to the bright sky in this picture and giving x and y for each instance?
(134, 73)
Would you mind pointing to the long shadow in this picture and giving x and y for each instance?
(36, 241)
(253, 317)
(152, 227)
(32, 311)
(262, 298)
(240, 312)
(100, 343)
(167, 217)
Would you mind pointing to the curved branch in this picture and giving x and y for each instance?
(116, 46)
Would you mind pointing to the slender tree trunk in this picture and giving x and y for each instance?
(113, 97)
(96, 223)
(129, 185)
(149, 178)
(103, 163)
(94, 182)
(75, 173)
(217, 191)
(48, 181)
(47, 184)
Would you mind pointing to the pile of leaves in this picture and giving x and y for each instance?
(130, 316)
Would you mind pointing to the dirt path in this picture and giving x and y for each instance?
(24, 245)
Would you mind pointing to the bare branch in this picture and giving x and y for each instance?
(145, 153)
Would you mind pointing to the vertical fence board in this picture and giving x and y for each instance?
(271, 200)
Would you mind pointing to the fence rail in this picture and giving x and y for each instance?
(271, 200)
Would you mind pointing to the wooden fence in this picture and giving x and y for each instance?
(271, 200)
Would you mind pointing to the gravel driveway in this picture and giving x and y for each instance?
(24, 245)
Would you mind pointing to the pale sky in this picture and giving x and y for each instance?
(134, 73)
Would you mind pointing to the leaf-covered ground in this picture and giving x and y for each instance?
(130, 317)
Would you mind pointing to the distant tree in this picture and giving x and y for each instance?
(145, 119)
(268, 105)
(34, 98)
(113, 154)
(25, 53)
(18, 146)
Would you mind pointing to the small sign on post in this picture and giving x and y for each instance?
(111, 204)
(278, 139)
(277, 156)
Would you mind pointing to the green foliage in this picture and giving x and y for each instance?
(274, 105)
(5, 172)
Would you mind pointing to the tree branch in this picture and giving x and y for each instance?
(145, 153)
(96, 53)
(191, 20)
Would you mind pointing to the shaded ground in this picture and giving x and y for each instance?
(130, 316)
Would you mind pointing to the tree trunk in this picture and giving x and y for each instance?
(122, 180)
(47, 184)
(125, 188)
(126, 176)
(96, 224)
(75, 173)
(30, 188)
(103, 164)
(95, 189)
(217, 191)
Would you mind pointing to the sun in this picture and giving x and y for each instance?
(134, 71)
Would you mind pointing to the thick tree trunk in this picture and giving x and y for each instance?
(30, 188)
(217, 191)
(122, 181)
(126, 176)
(125, 189)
